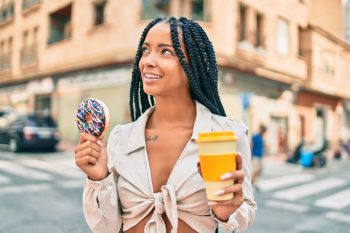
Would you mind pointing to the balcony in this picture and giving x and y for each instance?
(5, 62)
(29, 55)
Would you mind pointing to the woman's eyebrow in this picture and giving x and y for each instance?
(160, 45)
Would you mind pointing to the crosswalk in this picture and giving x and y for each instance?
(299, 186)
(299, 193)
(28, 175)
(309, 189)
(336, 201)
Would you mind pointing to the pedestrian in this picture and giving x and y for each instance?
(147, 179)
(258, 151)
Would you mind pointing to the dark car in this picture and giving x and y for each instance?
(33, 131)
(5, 111)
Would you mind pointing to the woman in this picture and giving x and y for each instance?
(147, 180)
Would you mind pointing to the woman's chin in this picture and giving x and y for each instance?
(148, 91)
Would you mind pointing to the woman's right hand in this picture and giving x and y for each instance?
(91, 157)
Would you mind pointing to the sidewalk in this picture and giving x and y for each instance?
(275, 166)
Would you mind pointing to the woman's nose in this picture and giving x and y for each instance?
(150, 60)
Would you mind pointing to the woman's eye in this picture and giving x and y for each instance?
(144, 50)
(167, 52)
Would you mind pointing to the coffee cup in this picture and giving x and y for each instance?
(217, 156)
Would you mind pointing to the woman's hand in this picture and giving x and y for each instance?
(223, 209)
(91, 157)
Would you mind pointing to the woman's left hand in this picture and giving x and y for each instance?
(223, 209)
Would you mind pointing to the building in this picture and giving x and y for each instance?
(322, 100)
(263, 69)
(347, 20)
(55, 53)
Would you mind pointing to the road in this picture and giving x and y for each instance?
(42, 192)
(296, 200)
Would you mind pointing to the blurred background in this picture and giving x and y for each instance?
(284, 64)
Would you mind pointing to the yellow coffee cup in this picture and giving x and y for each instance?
(217, 156)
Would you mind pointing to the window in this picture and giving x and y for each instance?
(5, 53)
(42, 102)
(29, 48)
(25, 39)
(60, 25)
(328, 63)
(282, 40)
(10, 45)
(99, 9)
(195, 9)
(2, 47)
(242, 22)
(26, 4)
(7, 11)
(35, 35)
(259, 31)
(301, 52)
(347, 21)
(199, 10)
(11, 8)
(155, 8)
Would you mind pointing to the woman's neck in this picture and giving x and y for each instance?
(172, 113)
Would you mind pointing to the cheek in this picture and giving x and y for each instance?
(183, 76)
(141, 64)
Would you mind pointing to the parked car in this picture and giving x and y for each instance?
(4, 111)
(31, 131)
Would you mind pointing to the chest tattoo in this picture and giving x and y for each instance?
(151, 138)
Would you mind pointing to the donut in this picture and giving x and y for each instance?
(92, 117)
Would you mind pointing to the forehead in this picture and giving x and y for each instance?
(160, 33)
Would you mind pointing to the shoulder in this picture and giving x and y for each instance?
(226, 123)
(119, 131)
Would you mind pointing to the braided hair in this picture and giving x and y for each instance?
(201, 68)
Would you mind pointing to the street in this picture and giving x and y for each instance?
(42, 192)
(296, 200)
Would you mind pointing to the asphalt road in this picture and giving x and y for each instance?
(42, 192)
(296, 200)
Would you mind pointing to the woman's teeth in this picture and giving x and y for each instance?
(151, 76)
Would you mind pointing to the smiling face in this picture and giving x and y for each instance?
(161, 71)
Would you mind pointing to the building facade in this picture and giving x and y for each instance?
(347, 20)
(53, 54)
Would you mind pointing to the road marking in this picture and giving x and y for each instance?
(27, 173)
(337, 216)
(24, 189)
(287, 206)
(71, 184)
(53, 167)
(67, 162)
(309, 189)
(280, 182)
(336, 201)
(4, 180)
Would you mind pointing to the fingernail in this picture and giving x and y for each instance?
(219, 192)
(226, 176)
(211, 203)
(99, 142)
